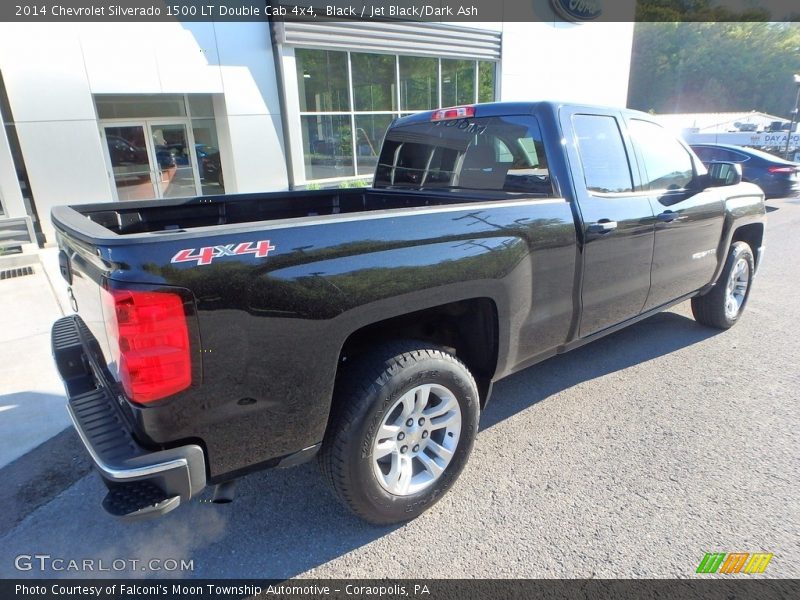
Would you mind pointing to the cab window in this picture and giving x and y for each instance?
(667, 164)
(602, 152)
(504, 153)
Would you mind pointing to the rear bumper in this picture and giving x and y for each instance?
(781, 188)
(142, 483)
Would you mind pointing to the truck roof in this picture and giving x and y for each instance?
(497, 109)
(488, 109)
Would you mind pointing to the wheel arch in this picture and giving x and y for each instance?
(753, 235)
(466, 328)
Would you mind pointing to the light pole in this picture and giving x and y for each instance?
(794, 115)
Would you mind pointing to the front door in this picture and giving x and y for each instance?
(618, 221)
(151, 159)
(689, 219)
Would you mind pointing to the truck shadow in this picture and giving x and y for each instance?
(290, 523)
(657, 336)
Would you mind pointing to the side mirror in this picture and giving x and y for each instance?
(722, 174)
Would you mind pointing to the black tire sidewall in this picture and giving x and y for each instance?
(439, 370)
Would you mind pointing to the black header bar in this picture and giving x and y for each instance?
(698, 588)
(466, 11)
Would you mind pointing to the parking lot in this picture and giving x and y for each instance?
(630, 457)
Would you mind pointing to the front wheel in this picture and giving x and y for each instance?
(725, 303)
(403, 425)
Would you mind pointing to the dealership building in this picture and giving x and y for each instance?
(94, 112)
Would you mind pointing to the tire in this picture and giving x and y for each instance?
(724, 304)
(396, 478)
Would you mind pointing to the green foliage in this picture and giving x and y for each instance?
(355, 183)
(714, 67)
(419, 78)
(322, 77)
(486, 73)
(695, 10)
(373, 81)
(458, 82)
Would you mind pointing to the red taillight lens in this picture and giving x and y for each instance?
(456, 112)
(151, 336)
(781, 169)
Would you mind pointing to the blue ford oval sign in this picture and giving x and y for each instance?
(578, 10)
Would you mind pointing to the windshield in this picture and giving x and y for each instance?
(489, 153)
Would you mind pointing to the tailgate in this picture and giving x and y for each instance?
(156, 345)
(85, 273)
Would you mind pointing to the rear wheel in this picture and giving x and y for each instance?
(402, 429)
(725, 303)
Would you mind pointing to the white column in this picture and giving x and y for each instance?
(10, 194)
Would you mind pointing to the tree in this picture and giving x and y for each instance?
(714, 67)
(697, 10)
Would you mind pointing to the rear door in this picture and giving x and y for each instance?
(618, 223)
(688, 219)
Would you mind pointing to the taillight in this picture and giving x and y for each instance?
(149, 339)
(782, 169)
(456, 112)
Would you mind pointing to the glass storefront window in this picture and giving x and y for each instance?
(348, 99)
(486, 75)
(458, 82)
(322, 79)
(130, 162)
(201, 105)
(139, 106)
(327, 146)
(370, 130)
(374, 81)
(419, 83)
(161, 146)
(206, 147)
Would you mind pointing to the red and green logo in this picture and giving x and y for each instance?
(734, 562)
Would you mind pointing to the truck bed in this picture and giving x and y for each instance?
(173, 216)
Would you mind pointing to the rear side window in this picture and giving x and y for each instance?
(485, 153)
(730, 156)
(667, 164)
(706, 154)
(605, 162)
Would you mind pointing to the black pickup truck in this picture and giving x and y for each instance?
(224, 334)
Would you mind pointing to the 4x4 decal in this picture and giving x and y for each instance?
(204, 256)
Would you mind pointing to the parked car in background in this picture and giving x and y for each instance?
(210, 166)
(124, 153)
(778, 178)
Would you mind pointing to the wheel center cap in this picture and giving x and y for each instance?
(413, 436)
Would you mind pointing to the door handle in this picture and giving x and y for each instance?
(602, 227)
(668, 216)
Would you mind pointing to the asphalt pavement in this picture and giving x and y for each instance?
(630, 457)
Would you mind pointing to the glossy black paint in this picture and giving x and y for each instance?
(616, 262)
(269, 331)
